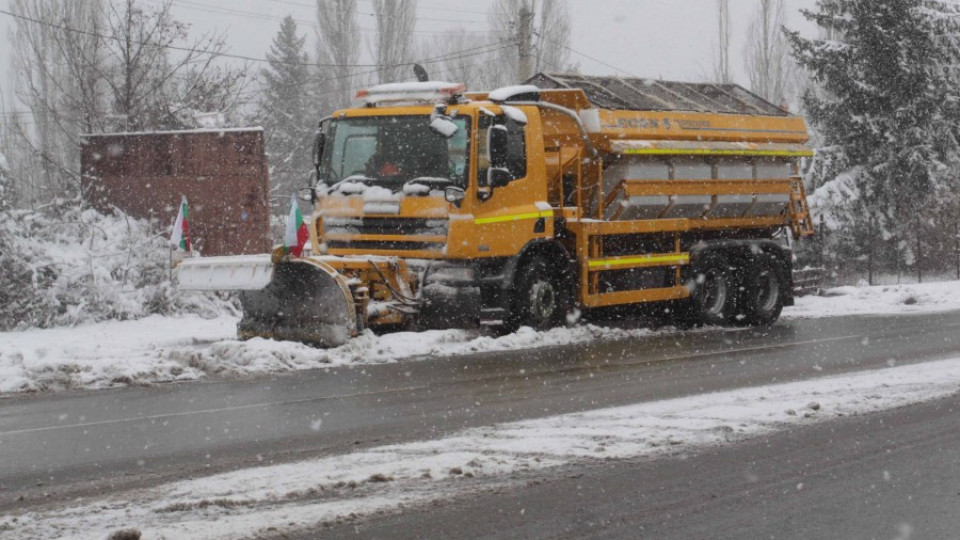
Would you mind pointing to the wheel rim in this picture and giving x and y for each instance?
(714, 293)
(543, 300)
(768, 291)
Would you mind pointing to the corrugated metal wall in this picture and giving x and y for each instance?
(222, 173)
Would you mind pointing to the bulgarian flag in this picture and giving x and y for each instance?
(181, 230)
(296, 234)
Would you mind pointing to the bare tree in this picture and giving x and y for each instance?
(56, 81)
(465, 57)
(159, 78)
(549, 36)
(721, 69)
(770, 68)
(79, 64)
(393, 44)
(338, 48)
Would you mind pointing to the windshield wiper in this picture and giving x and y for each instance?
(410, 187)
(430, 181)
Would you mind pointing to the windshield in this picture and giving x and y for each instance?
(393, 151)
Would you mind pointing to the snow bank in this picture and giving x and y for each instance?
(879, 300)
(279, 498)
(111, 353)
(163, 349)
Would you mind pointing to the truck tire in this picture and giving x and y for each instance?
(539, 300)
(762, 297)
(714, 298)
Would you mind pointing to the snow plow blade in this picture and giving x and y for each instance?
(295, 299)
(240, 273)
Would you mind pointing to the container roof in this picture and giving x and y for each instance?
(628, 93)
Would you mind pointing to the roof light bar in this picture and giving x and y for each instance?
(411, 92)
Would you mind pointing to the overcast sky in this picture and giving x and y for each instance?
(669, 39)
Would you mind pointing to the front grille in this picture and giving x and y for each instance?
(385, 226)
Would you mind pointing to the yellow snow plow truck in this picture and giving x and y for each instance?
(438, 208)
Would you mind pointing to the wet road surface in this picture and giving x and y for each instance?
(58, 446)
(893, 476)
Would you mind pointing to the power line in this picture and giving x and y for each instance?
(176, 48)
(455, 55)
(588, 57)
(267, 17)
(432, 8)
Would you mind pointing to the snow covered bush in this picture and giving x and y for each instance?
(63, 265)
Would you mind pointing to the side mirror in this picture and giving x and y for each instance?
(498, 177)
(454, 195)
(497, 146)
(308, 194)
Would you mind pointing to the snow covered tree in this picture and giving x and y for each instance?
(338, 50)
(287, 111)
(886, 111)
(393, 43)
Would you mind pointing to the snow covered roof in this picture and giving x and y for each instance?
(175, 132)
(628, 93)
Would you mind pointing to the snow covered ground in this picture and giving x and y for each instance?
(163, 349)
(879, 300)
(255, 501)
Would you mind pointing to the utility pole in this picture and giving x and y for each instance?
(525, 43)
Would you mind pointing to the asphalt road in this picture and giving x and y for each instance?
(891, 476)
(61, 446)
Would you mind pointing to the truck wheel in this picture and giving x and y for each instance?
(762, 297)
(714, 291)
(539, 300)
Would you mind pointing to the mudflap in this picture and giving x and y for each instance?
(306, 300)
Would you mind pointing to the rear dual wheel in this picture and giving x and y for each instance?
(762, 292)
(715, 287)
(742, 292)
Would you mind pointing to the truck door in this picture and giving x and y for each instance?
(508, 216)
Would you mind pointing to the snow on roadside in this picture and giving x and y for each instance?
(106, 354)
(163, 349)
(303, 494)
(878, 300)
(261, 355)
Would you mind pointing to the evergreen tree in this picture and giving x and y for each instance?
(287, 112)
(883, 107)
